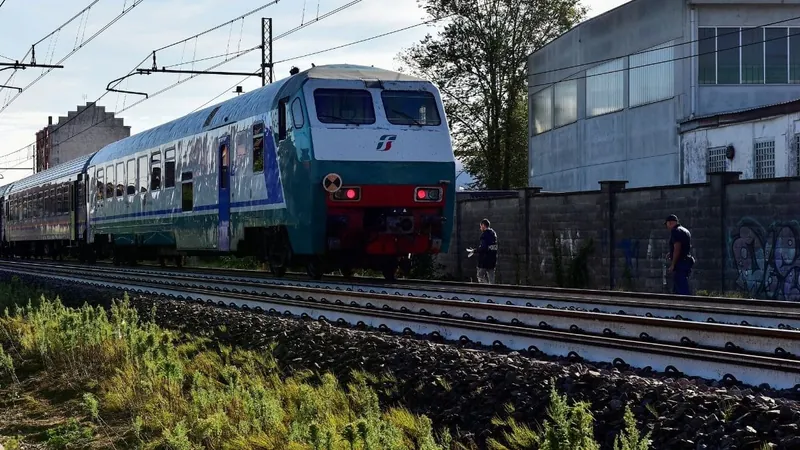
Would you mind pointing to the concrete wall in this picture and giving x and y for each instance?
(739, 244)
(784, 130)
(76, 138)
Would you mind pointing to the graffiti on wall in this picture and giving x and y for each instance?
(767, 259)
(630, 249)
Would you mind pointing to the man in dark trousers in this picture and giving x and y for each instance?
(680, 257)
(487, 253)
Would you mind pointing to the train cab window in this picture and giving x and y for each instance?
(144, 171)
(258, 147)
(131, 177)
(109, 182)
(411, 108)
(297, 114)
(187, 192)
(99, 185)
(155, 171)
(120, 179)
(344, 106)
(282, 119)
(169, 168)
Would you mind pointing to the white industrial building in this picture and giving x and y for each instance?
(613, 98)
(760, 143)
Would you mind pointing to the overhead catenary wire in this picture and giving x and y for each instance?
(186, 79)
(31, 49)
(75, 50)
(241, 17)
(217, 27)
(360, 41)
(327, 50)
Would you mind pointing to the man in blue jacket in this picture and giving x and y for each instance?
(680, 257)
(487, 253)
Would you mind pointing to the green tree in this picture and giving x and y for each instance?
(478, 61)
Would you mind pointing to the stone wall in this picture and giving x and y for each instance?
(744, 235)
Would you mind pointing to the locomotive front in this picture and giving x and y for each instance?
(384, 166)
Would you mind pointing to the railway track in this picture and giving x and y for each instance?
(751, 354)
(748, 312)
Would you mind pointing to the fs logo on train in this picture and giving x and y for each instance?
(385, 143)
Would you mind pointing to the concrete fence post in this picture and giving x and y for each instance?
(525, 195)
(719, 182)
(610, 188)
(457, 226)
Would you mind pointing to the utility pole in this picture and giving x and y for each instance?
(266, 50)
(266, 63)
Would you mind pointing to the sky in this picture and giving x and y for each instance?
(155, 23)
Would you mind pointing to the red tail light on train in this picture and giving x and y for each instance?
(347, 194)
(427, 194)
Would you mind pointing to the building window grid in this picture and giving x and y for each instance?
(764, 159)
(717, 162)
(789, 35)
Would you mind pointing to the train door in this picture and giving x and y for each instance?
(73, 211)
(224, 194)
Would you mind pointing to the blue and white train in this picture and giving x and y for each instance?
(337, 167)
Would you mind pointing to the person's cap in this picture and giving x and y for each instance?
(671, 218)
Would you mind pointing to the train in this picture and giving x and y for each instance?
(335, 168)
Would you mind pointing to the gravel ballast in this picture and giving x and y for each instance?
(464, 388)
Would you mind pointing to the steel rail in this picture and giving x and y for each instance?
(782, 315)
(777, 372)
(753, 340)
(487, 292)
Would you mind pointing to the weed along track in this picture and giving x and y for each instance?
(463, 386)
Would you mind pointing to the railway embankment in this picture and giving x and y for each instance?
(464, 387)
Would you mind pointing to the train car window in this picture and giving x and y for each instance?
(109, 182)
(155, 171)
(39, 208)
(66, 199)
(297, 114)
(187, 192)
(52, 207)
(144, 170)
(120, 179)
(411, 108)
(258, 147)
(100, 187)
(169, 168)
(58, 200)
(282, 119)
(344, 106)
(131, 178)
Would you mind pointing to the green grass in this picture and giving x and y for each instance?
(94, 378)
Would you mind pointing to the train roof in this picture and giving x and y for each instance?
(238, 108)
(4, 189)
(69, 168)
(353, 72)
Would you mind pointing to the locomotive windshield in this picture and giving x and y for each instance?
(345, 106)
(411, 108)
